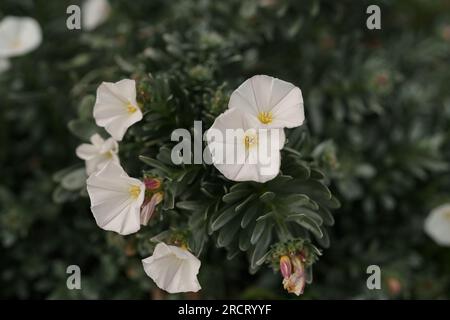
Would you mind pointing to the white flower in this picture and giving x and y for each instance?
(437, 225)
(98, 153)
(116, 108)
(18, 36)
(252, 155)
(173, 269)
(116, 199)
(94, 13)
(272, 102)
(4, 65)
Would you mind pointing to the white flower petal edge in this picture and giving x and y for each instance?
(248, 163)
(173, 269)
(94, 13)
(116, 199)
(437, 225)
(98, 153)
(18, 36)
(272, 102)
(116, 108)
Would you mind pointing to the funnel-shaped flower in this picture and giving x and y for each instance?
(271, 102)
(116, 199)
(98, 153)
(94, 13)
(437, 225)
(241, 151)
(18, 36)
(173, 269)
(116, 108)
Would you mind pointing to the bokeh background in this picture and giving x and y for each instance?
(377, 100)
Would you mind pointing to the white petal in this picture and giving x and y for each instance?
(86, 151)
(289, 112)
(94, 13)
(110, 110)
(173, 269)
(111, 203)
(437, 225)
(267, 94)
(18, 36)
(248, 165)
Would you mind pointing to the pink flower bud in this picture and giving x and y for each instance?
(152, 183)
(148, 208)
(285, 266)
(296, 282)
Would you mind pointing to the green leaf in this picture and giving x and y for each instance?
(191, 205)
(82, 129)
(234, 196)
(306, 222)
(227, 233)
(74, 180)
(223, 218)
(155, 164)
(267, 197)
(249, 215)
(259, 253)
(258, 231)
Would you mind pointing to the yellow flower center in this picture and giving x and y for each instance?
(250, 140)
(265, 117)
(108, 154)
(134, 191)
(131, 108)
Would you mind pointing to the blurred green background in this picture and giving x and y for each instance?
(379, 99)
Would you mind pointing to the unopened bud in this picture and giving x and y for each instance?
(285, 266)
(152, 183)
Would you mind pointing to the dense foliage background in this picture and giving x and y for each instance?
(378, 114)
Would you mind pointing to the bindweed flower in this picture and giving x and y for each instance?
(271, 102)
(116, 108)
(148, 208)
(437, 225)
(116, 199)
(94, 13)
(18, 36)
(98, 153)
(241, 152)
(173, 269)
(295, 282)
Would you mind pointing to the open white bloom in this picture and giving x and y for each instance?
(18, 36)
(98, 153)
(272, 102)
(116, 199)
(437, 225)
(4, 65)
(173, 269)
(116, 108)
(94, 13)
(241, 152)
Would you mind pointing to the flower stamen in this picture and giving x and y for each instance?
(265, 117)
(134, 191)
(131, 108)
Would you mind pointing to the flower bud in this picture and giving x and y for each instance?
(285, 266)
(152, 183)
(295, 283)
(149, 206)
